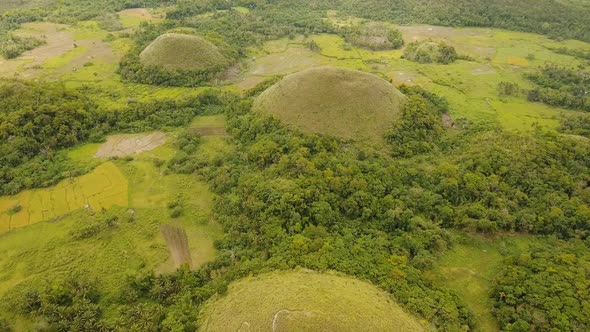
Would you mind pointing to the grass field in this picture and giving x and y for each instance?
(470, 86)
(102, 188)
(28, 260)
(469, 269)
(133, 17)
(305, 301)
(133, 245)
(344, 103)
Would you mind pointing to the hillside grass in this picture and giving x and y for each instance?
(338, 102)
(305, 301)
(175, 51)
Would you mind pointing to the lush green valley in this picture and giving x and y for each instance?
(182, 165)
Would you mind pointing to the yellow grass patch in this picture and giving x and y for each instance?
(104, 187)
(305, 301)
(518, 61)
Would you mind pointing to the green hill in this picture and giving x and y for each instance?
(174, 51)
(339, 102)
(305, 301)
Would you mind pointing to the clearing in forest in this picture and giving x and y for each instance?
(102, 188)
(305, 301)
(133, 17)
(470, 268)
(344, 103)
(124, 145)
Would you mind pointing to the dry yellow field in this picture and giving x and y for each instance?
(104, 187)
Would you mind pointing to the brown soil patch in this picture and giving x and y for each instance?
(177, 242)
(99, 52)
(250, 82)
(57, 42)
(485, 70)
(124, 145)
(210, 131)
(420, 32)
(294, 59)
(400, 77)
(138, 12)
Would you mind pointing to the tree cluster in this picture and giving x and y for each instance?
(428, 51)
(545, 288)
(562, 87)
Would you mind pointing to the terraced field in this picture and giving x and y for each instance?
(102, 188)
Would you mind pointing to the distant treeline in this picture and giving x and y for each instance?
(557, 19)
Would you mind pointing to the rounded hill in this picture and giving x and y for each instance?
(175, 51)
(305, 301)
(344, 103)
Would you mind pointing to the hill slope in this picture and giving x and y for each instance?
(174, 51)
(339, 102)
(306, 301)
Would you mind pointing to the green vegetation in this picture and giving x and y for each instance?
(343, 103)
(567, 88)
(291, 302)
(558, 19)
(429, 51)
(420, 127)
(174, 59)
(577, 125)
(374, 36)
(103, 188)
(468, 207)
(545, 287)
(12, 46)
(39, 119)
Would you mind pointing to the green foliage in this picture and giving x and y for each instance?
(11, 46)
(4, 325)
(545, 288)
(71, 304)
(563, 87)
(261, 87)
(508, 89)
(95, 226)
(418, 130)
(429, 51)
(37, 120)
(581, 54)
(558, 19)
(374, 36)
(577, 125)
